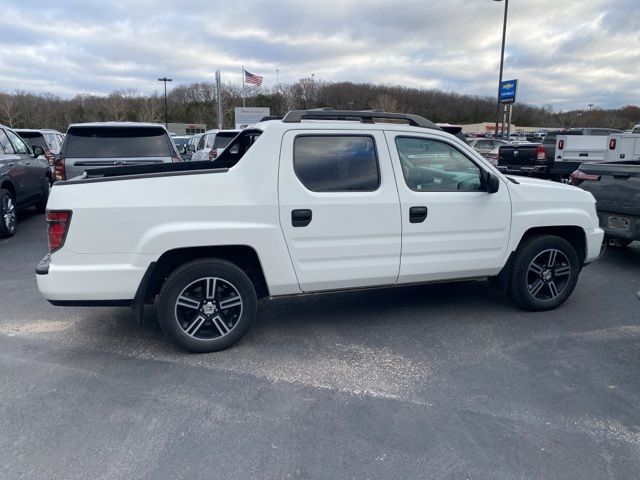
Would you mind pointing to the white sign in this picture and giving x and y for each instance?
(246, 116)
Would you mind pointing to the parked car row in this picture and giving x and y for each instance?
(25, 178)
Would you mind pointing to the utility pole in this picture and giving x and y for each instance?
(219, 99)
(278, 80)
(504, 36)
(165, 80)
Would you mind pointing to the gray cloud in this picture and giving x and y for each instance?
(566, 54)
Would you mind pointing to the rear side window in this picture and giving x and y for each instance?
(117, 142)
(332, 163)
(223, 139)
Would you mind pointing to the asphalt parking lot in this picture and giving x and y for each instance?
(439, 381)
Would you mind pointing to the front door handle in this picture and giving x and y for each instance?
(301, 218)
(417, 214)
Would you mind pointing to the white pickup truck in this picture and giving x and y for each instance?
(322, 200)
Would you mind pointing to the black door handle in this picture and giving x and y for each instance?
(301, 218)
(417, 214)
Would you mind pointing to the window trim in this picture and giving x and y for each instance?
(340, 135)
(483, 171)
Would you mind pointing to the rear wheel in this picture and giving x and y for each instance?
(206, 305)
(544, 273)
(8, 216)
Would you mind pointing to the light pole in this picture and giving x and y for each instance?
(504, 36)
(165, 80)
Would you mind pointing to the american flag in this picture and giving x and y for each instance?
(253, 79)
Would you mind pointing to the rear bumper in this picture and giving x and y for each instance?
(88, 279)
(630, 233)
(524, 169)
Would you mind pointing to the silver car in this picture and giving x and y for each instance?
(212, 143)
(485, 145)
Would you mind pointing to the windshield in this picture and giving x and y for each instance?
(180, 140)
(117, 142)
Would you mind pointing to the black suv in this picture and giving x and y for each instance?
(25, 179)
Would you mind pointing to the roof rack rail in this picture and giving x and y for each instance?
(365, 116)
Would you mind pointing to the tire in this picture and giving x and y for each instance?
(541, 279)
(41, 206)
(8, 216)
(191, 306)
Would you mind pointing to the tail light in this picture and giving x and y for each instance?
(49, 156)
(58, 225)
(560, 144)
(612, 144)
(579, 176)
(541, 154)
(176, 158)
(213, 154)
(59, 169)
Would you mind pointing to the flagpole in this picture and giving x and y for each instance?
(243, 95)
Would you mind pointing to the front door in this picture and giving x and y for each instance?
(451, 227)
(339, 209)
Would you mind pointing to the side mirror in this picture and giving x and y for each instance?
(181, 149)
(37, 151)
(493, 183)
(191, 147)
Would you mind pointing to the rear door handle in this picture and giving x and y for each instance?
(301, 218)
(418, 214)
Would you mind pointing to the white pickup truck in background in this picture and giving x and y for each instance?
(574, 150)
(322, 200)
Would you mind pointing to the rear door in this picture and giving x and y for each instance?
(451, 227)
(29, 169)
(339, 208)
(12, 169)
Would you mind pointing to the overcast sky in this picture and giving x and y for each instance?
(566, 53)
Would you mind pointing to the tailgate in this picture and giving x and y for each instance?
(77, 166)
(517, 155)
(618, 187)
(581, 148)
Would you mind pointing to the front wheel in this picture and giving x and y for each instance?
(8, 216)
(206, 305)
(544, 274)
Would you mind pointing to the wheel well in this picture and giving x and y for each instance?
(572, 234)
(7, 185)
(242, 256)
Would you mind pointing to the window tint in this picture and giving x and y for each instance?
(434, 166)
(18, 144)
(201, 142)
(484, 144)
(117, 142)
(331, 163)
(5, 145)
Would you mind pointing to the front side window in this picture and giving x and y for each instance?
(18, 144)
(434, 166)
(336, 163)
(5, 144)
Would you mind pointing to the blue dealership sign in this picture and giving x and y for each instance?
(508, 91)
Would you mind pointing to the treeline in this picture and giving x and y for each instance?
(194, 103)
